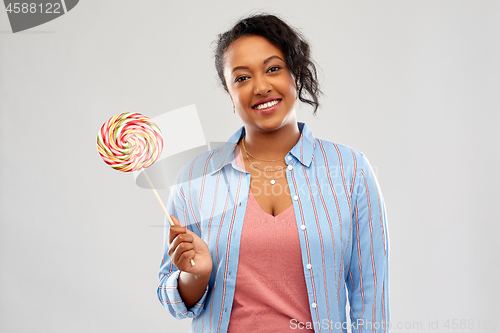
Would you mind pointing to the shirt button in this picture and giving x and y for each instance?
(295, 197)
(289, 158)
(290, 167)
(313, 305)
(308, 266)
(303, 227)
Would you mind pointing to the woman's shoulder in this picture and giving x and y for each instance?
(335, 148)
(350, 160)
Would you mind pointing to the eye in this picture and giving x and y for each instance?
(273, 69)
(241, 78)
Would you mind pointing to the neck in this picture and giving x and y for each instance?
(271, 144)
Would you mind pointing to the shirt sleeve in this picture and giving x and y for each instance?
(168, 294)
(368, 274)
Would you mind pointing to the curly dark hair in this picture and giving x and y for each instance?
(293, 45)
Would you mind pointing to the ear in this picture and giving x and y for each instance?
(295, 82)
(229, 94)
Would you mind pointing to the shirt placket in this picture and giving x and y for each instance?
(302, 225)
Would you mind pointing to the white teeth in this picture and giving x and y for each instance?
(267, 105)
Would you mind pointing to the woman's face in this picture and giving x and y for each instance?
(259, 84)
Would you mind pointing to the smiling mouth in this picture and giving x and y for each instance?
(266, 105)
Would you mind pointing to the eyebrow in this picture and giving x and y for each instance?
(264, 62)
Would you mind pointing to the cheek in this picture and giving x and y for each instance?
(240, 96)
(292, 88)
(235, 96)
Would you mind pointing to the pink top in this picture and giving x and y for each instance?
(270, 293)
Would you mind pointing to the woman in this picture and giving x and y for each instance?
(279, 223)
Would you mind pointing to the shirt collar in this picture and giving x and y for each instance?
(302, 151)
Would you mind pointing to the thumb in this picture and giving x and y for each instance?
(173, 221)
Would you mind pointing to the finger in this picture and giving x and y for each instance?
(185, 260)
(181, 238)
(182, 254)
(174, 231)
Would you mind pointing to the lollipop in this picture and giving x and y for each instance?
(131, 142)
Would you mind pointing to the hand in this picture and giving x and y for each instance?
(185, 245)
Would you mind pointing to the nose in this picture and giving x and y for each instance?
(261, 85)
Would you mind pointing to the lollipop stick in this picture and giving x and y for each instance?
(158, 197)
(162, 205)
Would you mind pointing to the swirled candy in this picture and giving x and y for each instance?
(129, 142)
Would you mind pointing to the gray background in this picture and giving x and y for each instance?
(412, 84)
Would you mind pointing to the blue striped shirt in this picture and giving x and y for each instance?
(341, 220)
